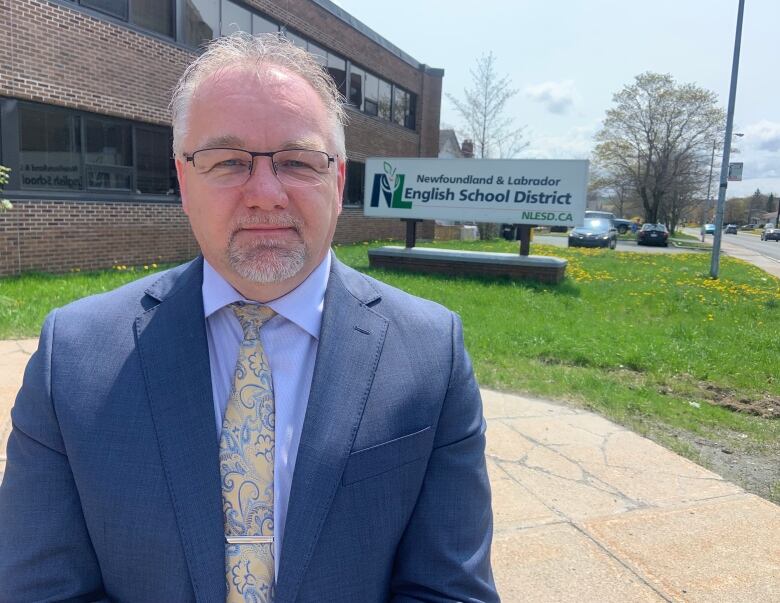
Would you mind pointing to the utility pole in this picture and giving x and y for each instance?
(724, 169)
(709, 183)
(777, 219)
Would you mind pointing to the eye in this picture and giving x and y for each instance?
(293, 164)
(234, 162)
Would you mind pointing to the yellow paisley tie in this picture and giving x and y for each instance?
(246, 459)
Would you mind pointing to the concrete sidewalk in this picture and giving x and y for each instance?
(587, 511)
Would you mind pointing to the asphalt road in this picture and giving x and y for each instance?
(754, 243)
(622, 245)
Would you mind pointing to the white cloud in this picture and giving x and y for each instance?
(763, 135)
(577, 143)
(557, 97)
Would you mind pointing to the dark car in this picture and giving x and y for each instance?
(653, 234)
(623, 226)
(730, 229)
(594, 233)
(770, 233)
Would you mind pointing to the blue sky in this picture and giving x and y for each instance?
(568, 57)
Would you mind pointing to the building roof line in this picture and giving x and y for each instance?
(343, 15)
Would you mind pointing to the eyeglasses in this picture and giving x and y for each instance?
(226, 167)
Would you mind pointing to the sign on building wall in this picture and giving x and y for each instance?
(514, 191)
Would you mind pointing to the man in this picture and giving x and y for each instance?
(125, 449)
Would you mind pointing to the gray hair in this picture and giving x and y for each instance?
(242, 49)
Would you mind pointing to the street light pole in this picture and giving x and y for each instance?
(709, 181)
(724, 169)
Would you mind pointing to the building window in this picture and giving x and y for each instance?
(411, 116)
(115, 8)
(109, 154)
(49, 149)
(261, 25)
(203, 20)
(235, 18)
(371, 98)
(296, 39)
(374, 96)
(319, 53)
(200, 21)
(356, 79)
(385, 99)
(61, 149)
(154, 173)
(337, 68)
(155, 15)
(356, 180)
(403, 108)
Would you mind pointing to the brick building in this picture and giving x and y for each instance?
(85, 126)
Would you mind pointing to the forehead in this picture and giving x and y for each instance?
(257, 106)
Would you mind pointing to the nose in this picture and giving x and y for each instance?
(263, 189)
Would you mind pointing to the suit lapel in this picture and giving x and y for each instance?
(173, 348)
(351, 339)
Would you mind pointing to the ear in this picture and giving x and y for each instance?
(341, 169)
(181, 175)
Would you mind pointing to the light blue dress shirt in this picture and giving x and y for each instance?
(290, 340)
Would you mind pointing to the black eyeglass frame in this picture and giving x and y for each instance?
(191, 157)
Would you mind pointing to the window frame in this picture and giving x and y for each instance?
(10, 143)
(349, 199)
(127, 18)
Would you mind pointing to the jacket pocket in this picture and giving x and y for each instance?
(384, 457)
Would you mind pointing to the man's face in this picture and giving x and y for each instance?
(264, 237)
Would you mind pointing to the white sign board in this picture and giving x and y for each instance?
(509, 191)
(735, 172)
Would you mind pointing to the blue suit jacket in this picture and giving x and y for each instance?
(112, 487)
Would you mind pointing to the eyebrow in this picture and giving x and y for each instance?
(223, 141)
(303, 143)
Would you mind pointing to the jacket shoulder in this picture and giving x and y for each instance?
(134, 297)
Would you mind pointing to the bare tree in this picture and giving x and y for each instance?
(659, 137)
(483, 110)
(485, 121)
(619, 191)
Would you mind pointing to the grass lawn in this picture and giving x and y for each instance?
(648, 340)
(25, 300)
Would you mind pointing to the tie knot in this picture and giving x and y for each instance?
(251, 317)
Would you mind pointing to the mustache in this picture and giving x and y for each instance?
(283, 220)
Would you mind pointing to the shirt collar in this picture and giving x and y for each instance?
(302, 306)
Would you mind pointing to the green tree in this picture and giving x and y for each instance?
(659, 137)
(756, 206)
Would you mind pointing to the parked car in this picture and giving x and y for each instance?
(653, 234)
(591, 214)
(623, 226)
(709, 229)
(770, 233)
(730, 229)
(594, 233)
